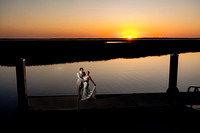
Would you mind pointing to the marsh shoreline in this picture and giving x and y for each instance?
(54, 51)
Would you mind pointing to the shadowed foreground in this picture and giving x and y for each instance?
(150, 112)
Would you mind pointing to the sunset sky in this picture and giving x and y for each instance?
(99, 18)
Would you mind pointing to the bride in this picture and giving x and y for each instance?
(87, 93)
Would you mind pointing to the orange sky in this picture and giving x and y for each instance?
(99, 19)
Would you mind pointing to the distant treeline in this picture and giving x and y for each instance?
(52, 51)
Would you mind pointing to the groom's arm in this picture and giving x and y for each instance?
(79, 76)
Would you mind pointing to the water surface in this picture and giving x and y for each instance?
(116, 76)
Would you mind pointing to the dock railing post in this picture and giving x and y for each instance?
(21, 84)
(172, 91)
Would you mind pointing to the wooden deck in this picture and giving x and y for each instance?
(108, 101)
(145, 112)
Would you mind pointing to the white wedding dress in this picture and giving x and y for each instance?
(87, 93)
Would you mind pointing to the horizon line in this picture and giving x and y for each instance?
(103, 38)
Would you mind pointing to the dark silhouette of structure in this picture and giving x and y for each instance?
(173, 91)
(21, 84)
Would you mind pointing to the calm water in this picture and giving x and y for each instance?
(117, 76)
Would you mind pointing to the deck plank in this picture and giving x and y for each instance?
(70, 102)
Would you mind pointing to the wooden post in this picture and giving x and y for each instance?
(21, 84)
(173, 91)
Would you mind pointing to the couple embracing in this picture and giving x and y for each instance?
(84, 92)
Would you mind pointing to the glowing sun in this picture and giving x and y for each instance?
(129, 34)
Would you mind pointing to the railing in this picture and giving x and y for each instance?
(196, 88)
(195, 97)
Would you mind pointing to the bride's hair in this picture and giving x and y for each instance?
(84, 74)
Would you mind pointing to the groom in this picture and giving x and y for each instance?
(80, 82)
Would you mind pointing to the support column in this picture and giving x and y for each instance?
(172, 91)
(21, 84)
